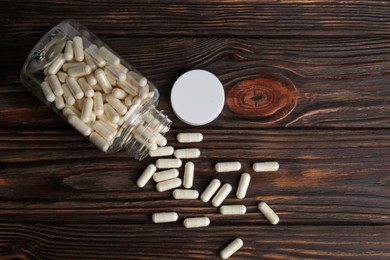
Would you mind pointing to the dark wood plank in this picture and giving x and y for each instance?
(339, 82)
(173, 241)
(201, 18)
(326, 176)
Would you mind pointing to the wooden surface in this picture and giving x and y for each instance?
(307, 84)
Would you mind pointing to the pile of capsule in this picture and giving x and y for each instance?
(168, 179)
(95, 92)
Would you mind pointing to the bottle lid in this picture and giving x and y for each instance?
(197, 97)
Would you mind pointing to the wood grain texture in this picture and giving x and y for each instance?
(328, 127)
(163, 241)
(201, 18)
(340, 82)
(325, 176)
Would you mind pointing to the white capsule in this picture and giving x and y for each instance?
(183, 194)
(221, 195)
(86, 88)
(79, 125)
(210, 190)
(126, 86)
(189, 137)
(115, 73)
(70, 111)
(168, 163)
(143, 93)
(47, 91)
(104, 129)
(74, 88)
(187, 153)
(196, 222)
(99, 142)
(233, 210)
(78, 71)
(161, 140)
(69, 99)
(116, 104)
(98, 108)
(265, 166)
(141, 80)
(90, 61)
(162, 151)
(164, 217)
(55, 85)
(59, 102)
(188, 178)
(243, 185)
(69, 65)
(165, 175)
(129, 100)
(78, 48)
(146, 175)
(110, 112)
(108, 56)
(268, 213)
(68, 52)
(92, 50)
(147, 133)
(56, 65)
(230, 249)
(62, 76)
(168, 184)
(86, 112)
(104, 118)
(149, 145)
(103, 81)
(110, 78)
(91, 80)
(227, 166)
(119, 93)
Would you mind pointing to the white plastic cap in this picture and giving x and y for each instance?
(197, 97)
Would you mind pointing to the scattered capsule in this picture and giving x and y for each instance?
(265, 166)
(56, 65)
(268, 213)
(243, 185)
(188, 178)
(210, 190)
(164, 217)
(183, 194)
(187, 153)
(221, 195)
(230, 249)
(146, 175)
(68, 51)
(233, 210)
(80, 125)
(228, 166)
(48, 92)
(168, 185)
(161, 140)
(99, 142)
(168, 163)
(78, 48)
(162, 151)
(189, 137)
(196, 222)
(165, 175)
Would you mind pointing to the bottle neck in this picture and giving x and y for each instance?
(146, 133)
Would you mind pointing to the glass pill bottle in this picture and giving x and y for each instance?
(95, 90)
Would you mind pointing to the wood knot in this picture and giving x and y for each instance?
(272, 97)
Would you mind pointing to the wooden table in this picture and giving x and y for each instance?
(307, 84)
